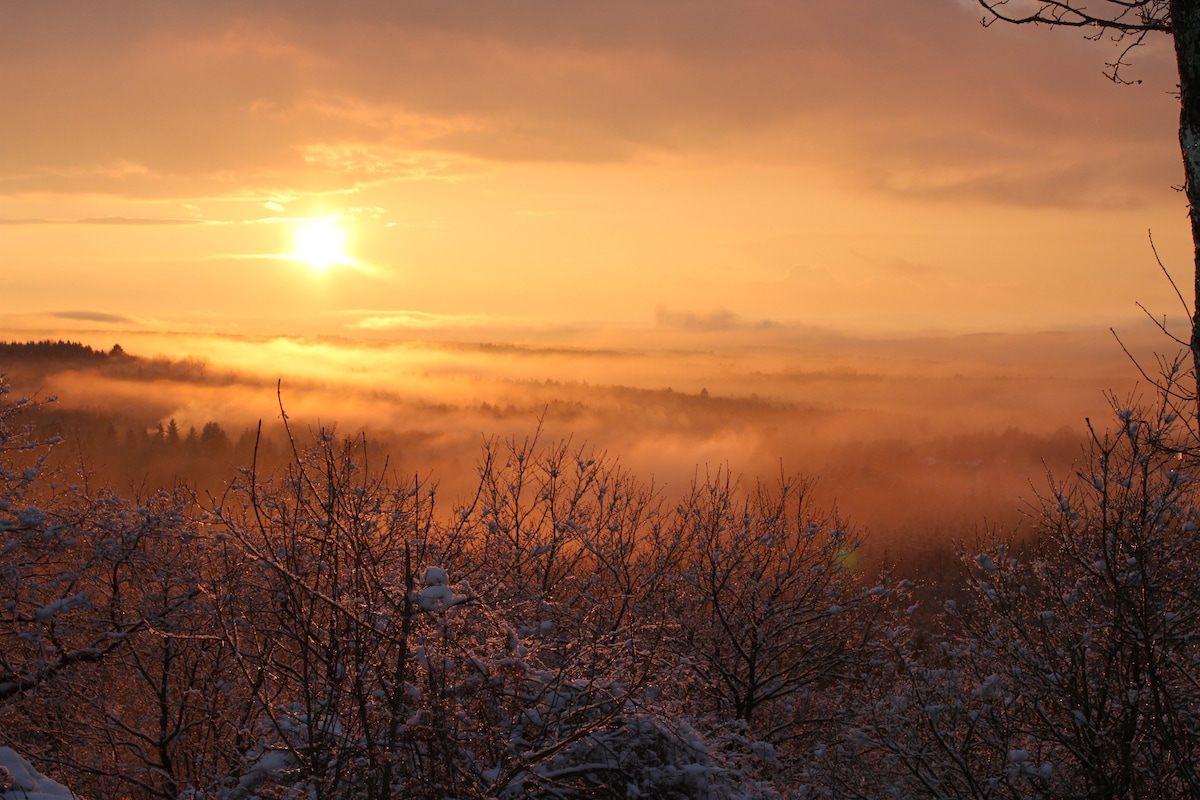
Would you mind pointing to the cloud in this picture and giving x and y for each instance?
(139, 221)
(717, 320)
(1116, 174)
(419, 320)
(105, 221)
(283, 98)
(375, 163)
(93, 316)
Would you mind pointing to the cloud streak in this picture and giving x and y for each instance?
(151, 221)
(717, 320)
(93, 316)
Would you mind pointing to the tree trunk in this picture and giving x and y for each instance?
(1185, 27)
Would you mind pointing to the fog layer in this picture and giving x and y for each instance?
(913, 439)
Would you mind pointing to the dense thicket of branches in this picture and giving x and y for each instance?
(331, 631)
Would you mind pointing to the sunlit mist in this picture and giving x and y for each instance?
(886, 424)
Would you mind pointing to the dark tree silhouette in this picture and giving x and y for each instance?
(1130, 22)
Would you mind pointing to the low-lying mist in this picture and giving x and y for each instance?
(916, 441)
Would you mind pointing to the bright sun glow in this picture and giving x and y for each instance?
(320, 243)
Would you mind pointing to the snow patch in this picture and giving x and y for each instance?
(18, 778)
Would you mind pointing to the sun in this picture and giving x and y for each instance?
(320, 243)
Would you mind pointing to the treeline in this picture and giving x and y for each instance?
(61, 351)
(37, 359)
(565, 631)
(124, 452)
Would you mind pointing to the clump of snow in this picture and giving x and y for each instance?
(276, 764)
(31, 517)
(18, 778)
(61, 605)
(437, 594)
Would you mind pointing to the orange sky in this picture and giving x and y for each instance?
(865, 165)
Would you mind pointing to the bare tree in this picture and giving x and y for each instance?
(1130, 22)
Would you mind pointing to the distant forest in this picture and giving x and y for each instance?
(56, 352)
(124, 451)
(35, 359)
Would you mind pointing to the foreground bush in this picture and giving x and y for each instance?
(1069, 670)
(566, 632)
(329, 632)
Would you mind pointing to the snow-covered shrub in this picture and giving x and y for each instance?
(561, 535)
(477, 656)
(324, 621)
(1069, 670)
(768, 618)
(633, 755)
(325, 633)
(135, 617)
(109, 663)
(50, 556)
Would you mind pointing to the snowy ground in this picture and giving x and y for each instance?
(18, 778)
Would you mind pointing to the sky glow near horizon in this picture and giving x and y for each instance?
(539, 166)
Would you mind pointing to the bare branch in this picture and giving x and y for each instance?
(1123, 16)
(1187, 312)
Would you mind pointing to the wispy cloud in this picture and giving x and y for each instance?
(93, 316)
(106, 221)
(420, 320)
(717, 320)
